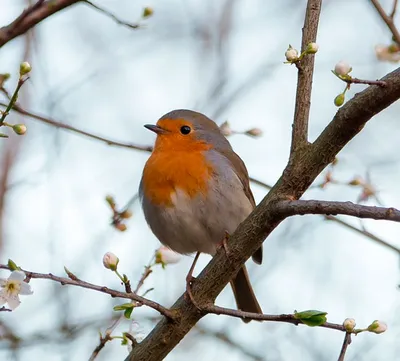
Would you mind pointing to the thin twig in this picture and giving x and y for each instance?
(103, 340)
(302, 207)
(13, 99)
(304, 78)
(112, 16)
(368, 82)
(394, 8)
(346, 343)
(60, 125)
(387, 19)
(286, 318)
(114, 293)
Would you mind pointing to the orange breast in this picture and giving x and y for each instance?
(167, 171)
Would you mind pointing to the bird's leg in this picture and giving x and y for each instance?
(190, 279)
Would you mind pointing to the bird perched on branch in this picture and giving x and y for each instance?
(195, 189)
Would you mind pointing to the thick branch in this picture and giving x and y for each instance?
(113, 293)
(304, 77)
(296, 178)
(292, 208)
(388, 19)
(31, 17)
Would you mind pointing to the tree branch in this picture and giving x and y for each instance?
(302, 207)
(346, 343)
(296, 178)
(304, 78)
(388, 19)
(60, 125)
(31, 17)
(113, 293)
(286, 318)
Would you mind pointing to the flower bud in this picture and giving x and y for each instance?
(121, 227)
(24, 68)
(110, 261)
(342, 68)
(349, 324)
(312, 48)
(20, 129)
(356, 181)
(291, 54)
(254, 132)
(377, 327)
(147, 12)
(339, 100)
(166, 256)
(225, 129)
(110, 200)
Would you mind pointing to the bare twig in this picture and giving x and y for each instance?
(103, 340)
(302, 207)
(304, 78)
(112, 16)
(113, 293)
(388, 19)
(368, 82)
(394, 8)
(13, 99)
(287, 318)
(364, 233)
(346, 343)
(60, 125)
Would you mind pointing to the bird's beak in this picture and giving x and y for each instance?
(155, 129)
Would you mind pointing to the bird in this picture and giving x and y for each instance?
(195, 190)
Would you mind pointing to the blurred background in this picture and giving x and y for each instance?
(225, 59)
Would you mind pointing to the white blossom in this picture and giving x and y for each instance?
(342, 68)
(166, 256)
(349, 324)
(12, 287)
(110, 261)
(377, 327)
(291, 54)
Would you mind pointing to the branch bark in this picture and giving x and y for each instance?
(304, 78)
(292, 208)
(295, 180)
(113, 293)
(31, 17)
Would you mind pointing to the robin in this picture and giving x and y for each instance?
(195, 189)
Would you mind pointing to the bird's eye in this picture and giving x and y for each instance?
(185, 129)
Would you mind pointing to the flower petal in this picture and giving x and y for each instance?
(3, 282)
(13, 301)
(26, 289)
(17, 276)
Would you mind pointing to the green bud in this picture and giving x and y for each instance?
(312, 48)
(339, 100)
(147, 12)
(24, 68)
(128, 312)
(123, 307)
(12, 265)
(311, 317)
(20, 129)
